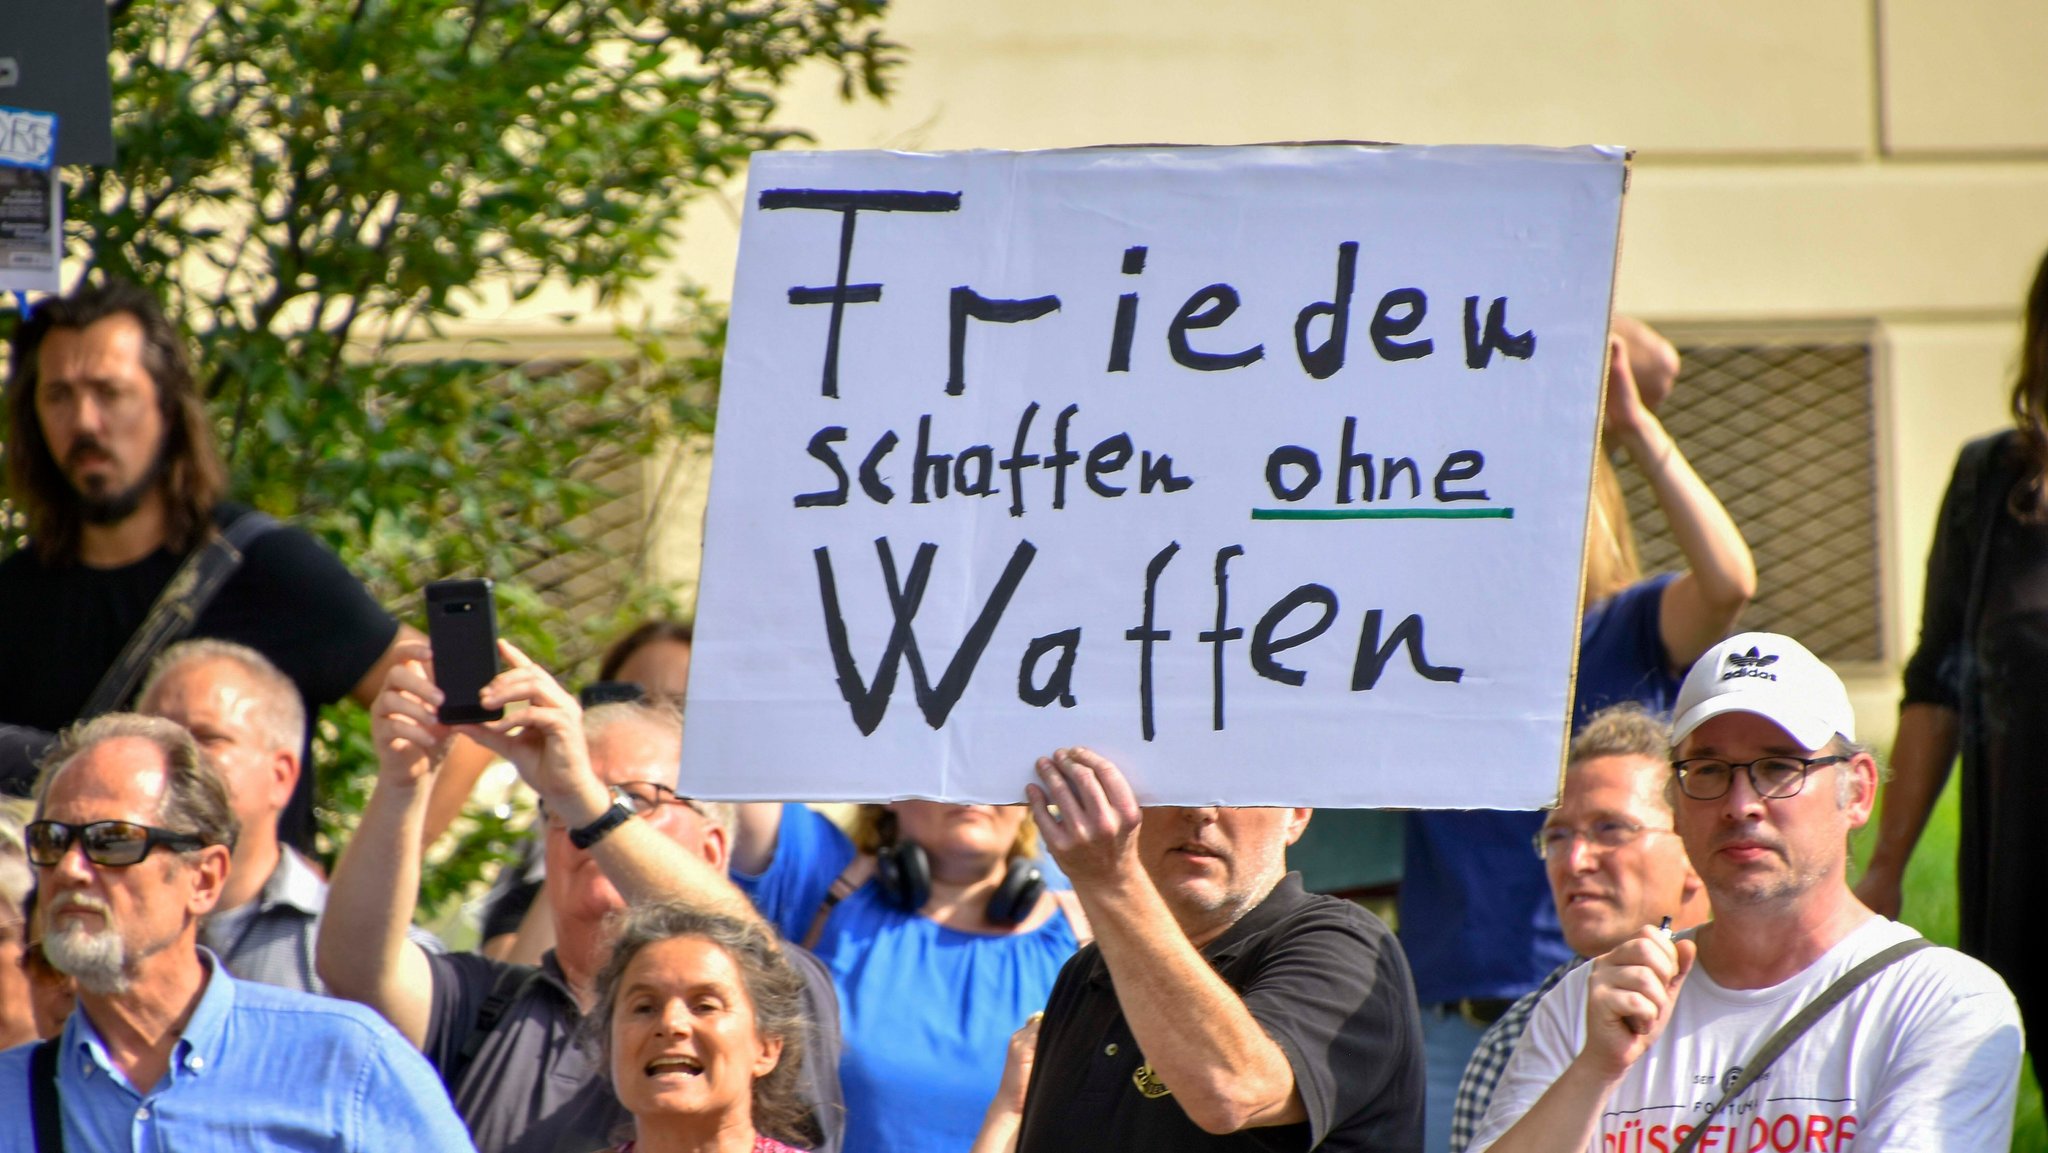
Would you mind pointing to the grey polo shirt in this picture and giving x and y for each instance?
(270, 938)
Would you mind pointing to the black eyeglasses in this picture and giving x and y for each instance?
(1773, 778)
(113, 844)
(643, 797)
(1556, 840)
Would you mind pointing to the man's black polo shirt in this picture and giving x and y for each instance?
(1323, 977)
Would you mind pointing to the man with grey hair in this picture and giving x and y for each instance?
(1614, 863)
(1220, 1007)
(131, 845)
(248, 719)
(1667, 1043)
(504, 1036)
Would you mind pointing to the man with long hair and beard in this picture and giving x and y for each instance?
(111, 459)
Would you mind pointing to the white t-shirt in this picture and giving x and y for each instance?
(1925, 1056)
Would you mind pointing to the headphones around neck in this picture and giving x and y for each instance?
(903, 872)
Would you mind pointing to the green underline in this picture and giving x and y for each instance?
(1383, 514)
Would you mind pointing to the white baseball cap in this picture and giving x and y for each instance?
(1772, 676)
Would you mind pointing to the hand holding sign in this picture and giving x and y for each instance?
(1087, 817)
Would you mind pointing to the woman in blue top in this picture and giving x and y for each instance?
(941, 939)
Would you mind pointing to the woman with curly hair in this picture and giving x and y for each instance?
(703, 1020)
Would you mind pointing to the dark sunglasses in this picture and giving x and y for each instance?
(113, 844)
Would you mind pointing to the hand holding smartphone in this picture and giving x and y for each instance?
(462, 626)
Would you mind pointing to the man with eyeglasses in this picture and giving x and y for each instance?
(165, 1049)
(1615, 864)
(504, 1037)
(1636, 1048)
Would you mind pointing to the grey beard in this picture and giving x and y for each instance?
(97, 961)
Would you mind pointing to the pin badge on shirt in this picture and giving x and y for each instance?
(1149, 1083)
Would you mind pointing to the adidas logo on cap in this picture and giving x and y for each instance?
(1750, 664)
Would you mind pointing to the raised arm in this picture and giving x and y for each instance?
(755, 832)
(545, 742)
(457, 768)
(1195, 1031)
(1701, 606)
(363, 953)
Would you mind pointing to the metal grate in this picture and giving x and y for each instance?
(1785, 434)
(590, 582)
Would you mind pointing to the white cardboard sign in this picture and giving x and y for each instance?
(1262, 470)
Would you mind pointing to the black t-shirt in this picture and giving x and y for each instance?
(1323, 977)
(533, 1085)
(291, 600)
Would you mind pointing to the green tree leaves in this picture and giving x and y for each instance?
(312, 185)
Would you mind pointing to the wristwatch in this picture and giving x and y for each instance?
(612, 818)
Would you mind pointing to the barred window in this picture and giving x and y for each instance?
(1783, 429)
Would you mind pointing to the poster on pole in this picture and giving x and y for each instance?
(31, 202)
(1262, 470)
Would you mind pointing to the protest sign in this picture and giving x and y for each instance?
(1262, 470)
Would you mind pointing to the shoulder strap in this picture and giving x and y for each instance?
(505, 991)
(47, 1116)
(1792, 1030)
(186, 595)
(1077, 919)
(852, 877)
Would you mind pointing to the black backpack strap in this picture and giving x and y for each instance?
(186, 595)
(1792, 1030)
(505, 992)
(46, 1115)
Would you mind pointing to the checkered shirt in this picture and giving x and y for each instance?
(1490, 1059)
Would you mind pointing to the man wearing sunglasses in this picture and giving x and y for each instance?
(1634, 1049)
(1615, 864)
(165, 1049)
(504, 1037)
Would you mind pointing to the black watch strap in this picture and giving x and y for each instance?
(601, 828)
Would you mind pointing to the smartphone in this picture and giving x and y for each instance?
(462, 625)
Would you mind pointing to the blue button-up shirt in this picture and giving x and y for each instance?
(258, 1068)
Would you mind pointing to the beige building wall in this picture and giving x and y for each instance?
(1877, 163)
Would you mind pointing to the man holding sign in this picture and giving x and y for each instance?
(1219, 997)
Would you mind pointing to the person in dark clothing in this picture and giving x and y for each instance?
(1975, 685)
(110, 458)
(1221, 1006)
